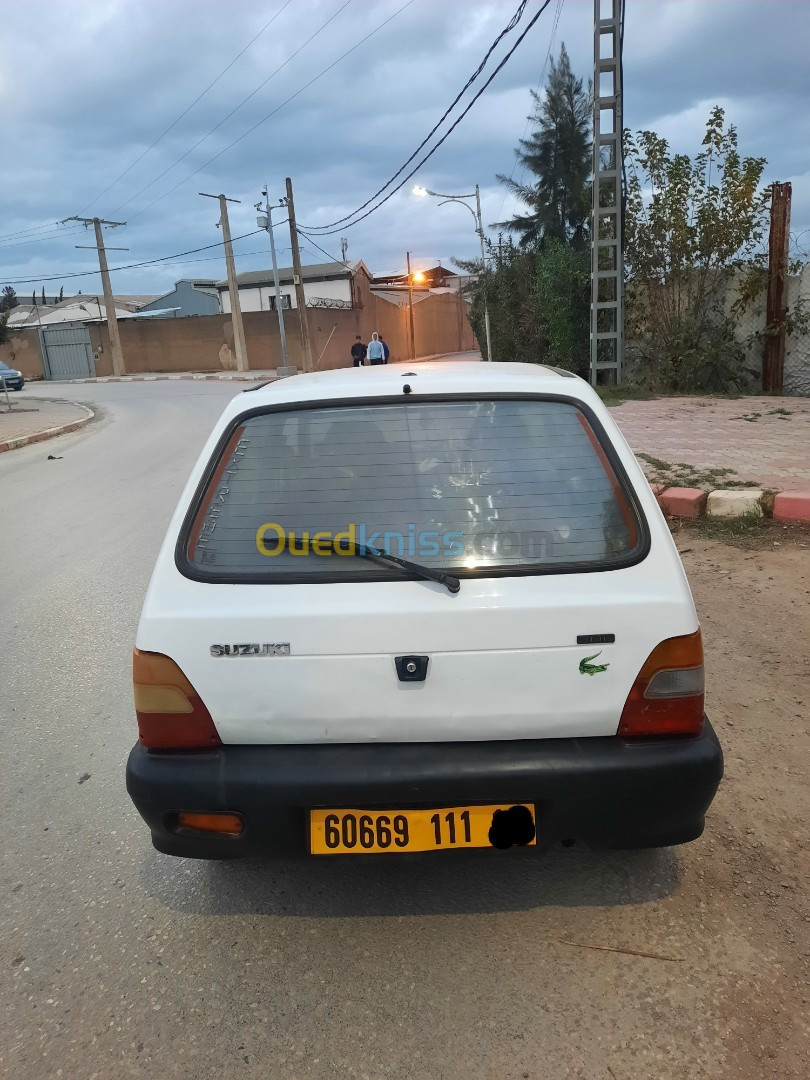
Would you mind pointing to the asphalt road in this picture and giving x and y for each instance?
(117, 961)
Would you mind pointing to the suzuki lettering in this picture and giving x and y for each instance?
(281, 648)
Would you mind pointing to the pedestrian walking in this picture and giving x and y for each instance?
(358, 352)
(375, 351)
(386, 350)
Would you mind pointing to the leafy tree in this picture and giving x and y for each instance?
(4, 335)
(9, 299)
(539, 304)
(694, 235)
(558, 154)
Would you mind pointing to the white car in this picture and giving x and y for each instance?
(411, 609)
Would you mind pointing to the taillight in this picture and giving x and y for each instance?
(171, 714)
(667, 696)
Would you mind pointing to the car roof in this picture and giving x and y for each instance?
(435, 377)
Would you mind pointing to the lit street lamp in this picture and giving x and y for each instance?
(479, 228)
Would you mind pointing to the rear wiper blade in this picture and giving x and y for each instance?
(450, 582)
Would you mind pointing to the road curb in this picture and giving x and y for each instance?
(224, 376)
(733, 503)
(49, 433)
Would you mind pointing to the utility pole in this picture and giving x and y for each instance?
(480, 231)
(773, 357)
(266, 222)
(240, 348)
(410, 306)
(109, 304)
(297, 279)
(607, 261)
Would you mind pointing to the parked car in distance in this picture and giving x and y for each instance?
(417, 609)
(11, 377)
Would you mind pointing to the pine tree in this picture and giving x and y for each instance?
(43, 296)
(9, 299)
(558, 153)
(61, 293)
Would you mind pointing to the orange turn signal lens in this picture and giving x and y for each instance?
(171, 714)
(667, 697)
(229, 824)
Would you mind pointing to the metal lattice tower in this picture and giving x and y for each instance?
(607, 271)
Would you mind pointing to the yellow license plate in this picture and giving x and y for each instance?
(341, 832)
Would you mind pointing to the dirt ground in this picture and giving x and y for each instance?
(748, 877)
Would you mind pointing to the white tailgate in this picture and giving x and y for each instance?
(504, 662)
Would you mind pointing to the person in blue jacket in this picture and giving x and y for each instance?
(375, 351)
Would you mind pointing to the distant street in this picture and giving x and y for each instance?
(120, 962)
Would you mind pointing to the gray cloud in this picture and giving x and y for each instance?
(92, 84)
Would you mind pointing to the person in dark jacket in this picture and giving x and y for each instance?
(358, 352)
(386, 350)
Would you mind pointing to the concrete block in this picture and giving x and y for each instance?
(735, 502)
(792, 506)
(683, 502)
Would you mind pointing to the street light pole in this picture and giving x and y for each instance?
(268, 209)
(483, 270)
(479, 228)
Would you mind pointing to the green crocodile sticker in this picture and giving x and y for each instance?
(587, 668)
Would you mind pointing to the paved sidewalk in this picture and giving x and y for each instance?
(36, 419)
(763, 439)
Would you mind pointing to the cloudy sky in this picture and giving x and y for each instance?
(86, 86)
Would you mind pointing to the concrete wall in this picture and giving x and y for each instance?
(205, 342)
(22, 352)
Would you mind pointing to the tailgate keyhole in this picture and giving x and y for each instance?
(411, 668)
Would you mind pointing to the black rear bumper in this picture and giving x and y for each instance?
(607, 792)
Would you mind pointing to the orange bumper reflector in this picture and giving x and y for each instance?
(230, 824)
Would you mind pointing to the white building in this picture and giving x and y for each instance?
(75, 309)
(325, 285)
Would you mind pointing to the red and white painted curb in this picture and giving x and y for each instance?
(49, 433)
(733, 503)
(224, 376)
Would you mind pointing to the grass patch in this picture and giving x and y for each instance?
(682, 474)
(617, 395)
(751, 533)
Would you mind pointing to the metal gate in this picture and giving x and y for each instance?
(67, 353)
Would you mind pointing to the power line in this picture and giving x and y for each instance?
(540, 82)
(244, 101)
(129, 266)
(273, 112)
(331, 258)
(41, 239)
(509, 27)
(186, 111)
(450, 130)
(27, 232)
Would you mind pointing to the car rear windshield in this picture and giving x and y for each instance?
(508, 486)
